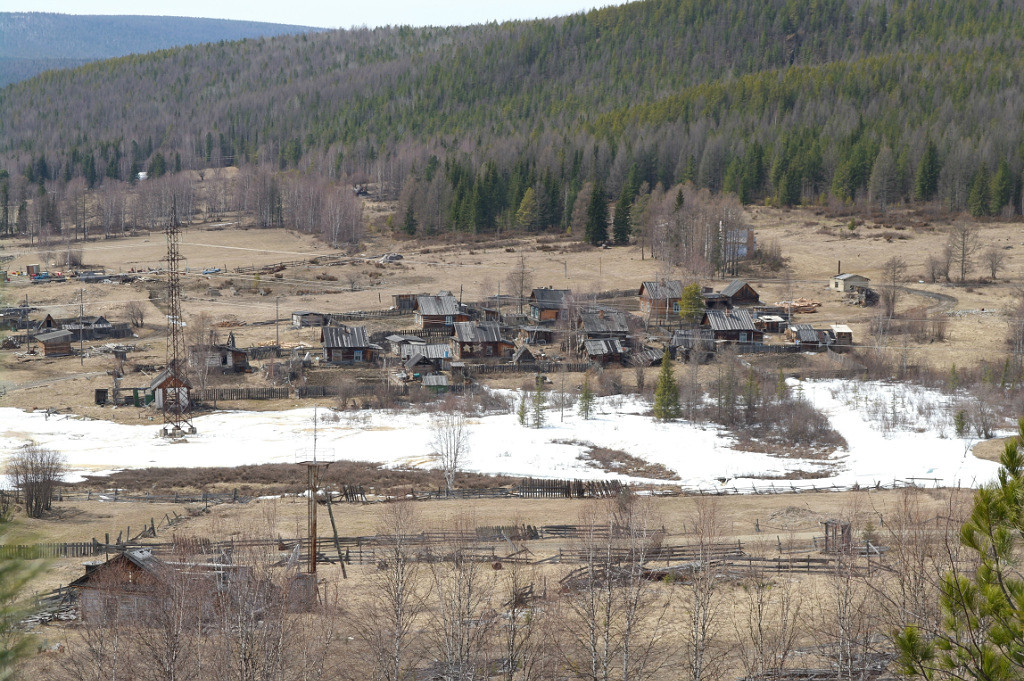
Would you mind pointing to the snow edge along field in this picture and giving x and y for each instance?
(704, 457)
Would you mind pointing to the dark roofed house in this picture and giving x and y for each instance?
(739, 292)
(434, 312)
(129, 580)
(732, 325)
(605, 324)
(480, 340)
(347, 344)
(660, 298)
(55, 343)
(549, 304)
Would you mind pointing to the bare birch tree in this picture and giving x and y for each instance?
(450, 442)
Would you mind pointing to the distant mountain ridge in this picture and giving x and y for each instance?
(33, 42)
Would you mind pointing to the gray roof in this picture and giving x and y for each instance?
(605, 322)
(473, 332)
(549, 298)
(663, 290)
(808, 335)
(403, 338)
(733, 288)
(437, 306)
(730, 320)
(345, 337)
(644, 356)
(842, 277)
(53, 336)
(435, 380)
(435, 350)
(610, 346)
(522, 354)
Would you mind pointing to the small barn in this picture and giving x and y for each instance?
(848, 283)
(739, 292)
(548, 305)
(522, 355)
(169, 391)
(403, 345)
(405, 302)
(128, 584)
(736, 326)
(437, 312)
(437, 356)
(843, 334)
(224, 357)
(54, 343)
(660, 298)
(348, 344)
(537, 335)
(303, 318)
(770, 323)
(603, 351)
(480, 340)
(436, 383)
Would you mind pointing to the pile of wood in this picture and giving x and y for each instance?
(801, 305)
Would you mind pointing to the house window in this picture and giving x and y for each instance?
(357, 355)
(675, 307)
(448, 320)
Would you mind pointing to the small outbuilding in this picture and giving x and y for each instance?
(848, 283)
(170, 391)
(55, 343)
(603, 351)
(739, 292)
(348, 344)
(303, 318)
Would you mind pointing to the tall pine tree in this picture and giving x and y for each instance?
(596, 230)
(927, 181)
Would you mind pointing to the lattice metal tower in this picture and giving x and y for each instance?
(177, 405)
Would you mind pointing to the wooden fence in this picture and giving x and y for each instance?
(33, 551)
(356, 315)
(262, 351)
(530, 367)
(538, 489)
(215, 394)
(426, 334)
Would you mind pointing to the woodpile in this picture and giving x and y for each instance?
(800, 305)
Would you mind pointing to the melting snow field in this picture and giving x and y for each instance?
(908, 436)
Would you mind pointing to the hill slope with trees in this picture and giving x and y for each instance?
(33, 42)
(784, 101)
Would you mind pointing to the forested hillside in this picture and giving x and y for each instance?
(33, 42)
(791, 101)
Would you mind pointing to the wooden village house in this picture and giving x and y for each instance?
(660, 299)
(548, 305)
(436, 312)
(739, 292)
(347, 344)
(602, 350)
(736, 326)
(480, 340)
(693, 345)
(225, 357)
(603, 324)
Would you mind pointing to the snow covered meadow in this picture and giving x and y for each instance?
(908, 435)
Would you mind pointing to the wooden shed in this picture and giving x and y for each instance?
(343, 344)
(55, 343)
(739, 292)
(732, 325)
(436, 312)
(169, 390)
(845, 283)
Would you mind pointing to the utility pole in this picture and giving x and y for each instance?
(277, 321)
(81, 328)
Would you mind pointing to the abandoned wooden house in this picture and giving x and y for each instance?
(736, 326)
(435, 312)
(848, 283)
(693, 345)
(348, 344)
(522, 355)
(536, 335)
(770, 323)
(303, 318)
(643, 355)
(739, 292)
(170, 390)
(225, 357)
(133, 586)
(660, 298)
(605, 324)
(54, 343)
(548, 305)
(480, 340)
(602, 351)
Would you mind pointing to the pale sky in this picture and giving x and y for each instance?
(337, 14)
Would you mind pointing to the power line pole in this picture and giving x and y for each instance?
(81, 327)
(277, 321)
(177, 404)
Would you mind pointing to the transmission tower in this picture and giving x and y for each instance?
(177, 405)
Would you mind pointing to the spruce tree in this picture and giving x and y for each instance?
(1001, 191)
(586, 402)
(666, 395)
(926, 183)
(978, 197)
(597, 217)
(691, 304)
(409, 224)
(522, 411)
(620, 221)
(539, 401)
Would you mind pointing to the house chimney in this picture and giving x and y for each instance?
(839, 267)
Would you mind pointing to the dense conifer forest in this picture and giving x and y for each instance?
(515, 125)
